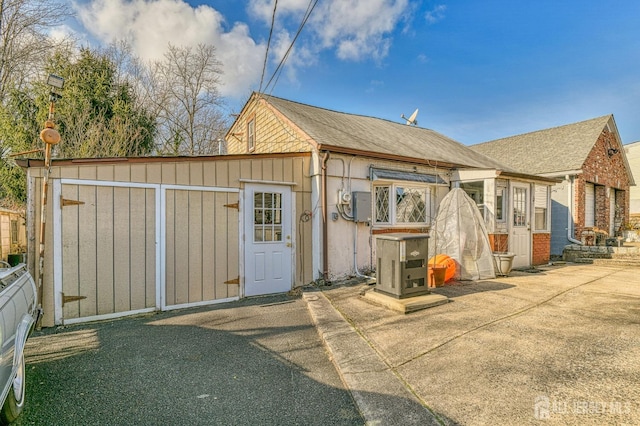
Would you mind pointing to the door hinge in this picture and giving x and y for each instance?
(234, 281)
(66, 299)
(235, 205)
(64, 202)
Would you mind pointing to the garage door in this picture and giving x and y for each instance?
(129, 248)
(200, 242)
(107, 250)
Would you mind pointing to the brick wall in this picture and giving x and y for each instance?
(605, 171)
(541, 249)
(499, 242)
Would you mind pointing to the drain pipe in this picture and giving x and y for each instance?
(325, 233)
(570, 227)
(355, 253)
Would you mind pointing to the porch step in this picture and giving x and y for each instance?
(594, 254)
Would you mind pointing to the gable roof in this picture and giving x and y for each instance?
(548, 151)
(349, 133)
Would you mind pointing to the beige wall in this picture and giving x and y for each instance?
(7, 246)
(212, 172)
(273, 132)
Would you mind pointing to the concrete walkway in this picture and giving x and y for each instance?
(560, 346)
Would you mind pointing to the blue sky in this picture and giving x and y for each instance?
(477, 70)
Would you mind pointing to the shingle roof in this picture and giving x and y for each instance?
(547, 151)
(339, 130)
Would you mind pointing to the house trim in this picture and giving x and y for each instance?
(266, 182)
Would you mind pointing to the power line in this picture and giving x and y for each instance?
(310, 7)
(266, 54)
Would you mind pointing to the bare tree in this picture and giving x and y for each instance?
(24, 39)
(184, 89)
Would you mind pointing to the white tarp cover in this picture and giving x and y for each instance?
(459, 232)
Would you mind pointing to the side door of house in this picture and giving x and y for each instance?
(520, 243)
(268, 239)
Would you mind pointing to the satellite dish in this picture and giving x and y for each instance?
(411, 121)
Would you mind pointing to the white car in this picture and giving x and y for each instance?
(18, 314)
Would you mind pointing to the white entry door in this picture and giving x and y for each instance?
(520, 243)
(268, 242)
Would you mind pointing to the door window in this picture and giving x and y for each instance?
(519, 207)
(267, 214)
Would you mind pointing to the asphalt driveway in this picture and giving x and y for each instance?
(254, 362)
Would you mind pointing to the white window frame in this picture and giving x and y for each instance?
(541, 201)
(501, 190)
(251, 134)
(429, 192)
(589, 205)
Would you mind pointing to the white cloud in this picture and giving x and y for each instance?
(359, 28)
(149, 25)
(356, 29)
(436, 14)
(263, 9)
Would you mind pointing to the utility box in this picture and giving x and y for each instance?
(402, 264)
(361, 206)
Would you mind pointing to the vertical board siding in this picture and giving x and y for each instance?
(108, 249)
(201, 246)
(70, 250)
(85, 220)
(195, 246)
(138, 249)
(209, 248)
(104, 254)
(121, 249)
(109, 243)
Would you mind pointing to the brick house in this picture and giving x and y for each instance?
(592, 200)
(371, 176)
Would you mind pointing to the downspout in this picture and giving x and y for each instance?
(570, 228)
(325, 249)
(355, 254)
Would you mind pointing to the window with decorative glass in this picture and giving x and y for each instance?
(402, 204)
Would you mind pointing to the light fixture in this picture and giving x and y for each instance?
(55, 81)
(612, 151)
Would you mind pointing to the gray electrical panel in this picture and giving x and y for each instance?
(361, 206)
(402, 264)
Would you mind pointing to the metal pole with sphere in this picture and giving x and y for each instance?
(50, 136)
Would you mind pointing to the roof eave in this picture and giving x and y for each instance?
(384, 156)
